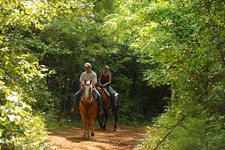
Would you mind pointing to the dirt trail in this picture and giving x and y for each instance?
(125, 138)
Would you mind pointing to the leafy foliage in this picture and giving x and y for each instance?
(98, 47)
(19, 127)
(29, 31)
(183, 43)
(44, 45)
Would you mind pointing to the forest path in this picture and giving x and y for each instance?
(71, 138)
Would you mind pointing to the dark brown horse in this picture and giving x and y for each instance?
(106, 105)
(88, 109)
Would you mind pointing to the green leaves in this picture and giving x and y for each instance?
(179, 43)
(19, 128)
(182, 44)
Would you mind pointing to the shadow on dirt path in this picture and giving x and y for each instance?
(125, 138)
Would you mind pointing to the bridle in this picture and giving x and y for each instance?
(87, 94)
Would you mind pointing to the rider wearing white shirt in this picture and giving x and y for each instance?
(87, 75)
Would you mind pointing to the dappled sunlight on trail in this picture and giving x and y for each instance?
(126, 137)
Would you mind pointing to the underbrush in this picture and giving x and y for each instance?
(55, 122)
(20, 128)
(198, 130)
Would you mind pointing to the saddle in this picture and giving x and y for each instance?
(107, 93)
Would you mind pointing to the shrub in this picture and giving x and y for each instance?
(19, 128)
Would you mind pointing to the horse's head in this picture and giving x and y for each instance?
(87, 93)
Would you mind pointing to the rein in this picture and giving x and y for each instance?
(86, 106)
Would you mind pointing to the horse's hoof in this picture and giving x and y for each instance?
(92, 134)
(86, 137)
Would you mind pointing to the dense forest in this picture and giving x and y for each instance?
(166, 57)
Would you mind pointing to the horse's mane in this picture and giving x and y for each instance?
(87, 82)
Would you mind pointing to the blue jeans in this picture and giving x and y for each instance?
(111, 92)
(78, 94)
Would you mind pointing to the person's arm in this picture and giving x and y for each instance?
(99, 79)
(110, 79)
(81, 80)
(94, 81)
(80, 85)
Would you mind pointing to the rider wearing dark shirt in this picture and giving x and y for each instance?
(105, 81)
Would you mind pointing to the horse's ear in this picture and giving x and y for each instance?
(90, 81)
(85, 81)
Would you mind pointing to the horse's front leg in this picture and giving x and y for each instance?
(106, 117)
(116, 114)
(84, 119)
(115, 117)
(92, 128)
(91, 125)
(100, 122)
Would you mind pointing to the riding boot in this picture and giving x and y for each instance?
(74, 108)
(76, 101)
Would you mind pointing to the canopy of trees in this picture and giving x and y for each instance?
(160, 53)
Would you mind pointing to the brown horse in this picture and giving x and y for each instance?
(106, 105)
(88, 109)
